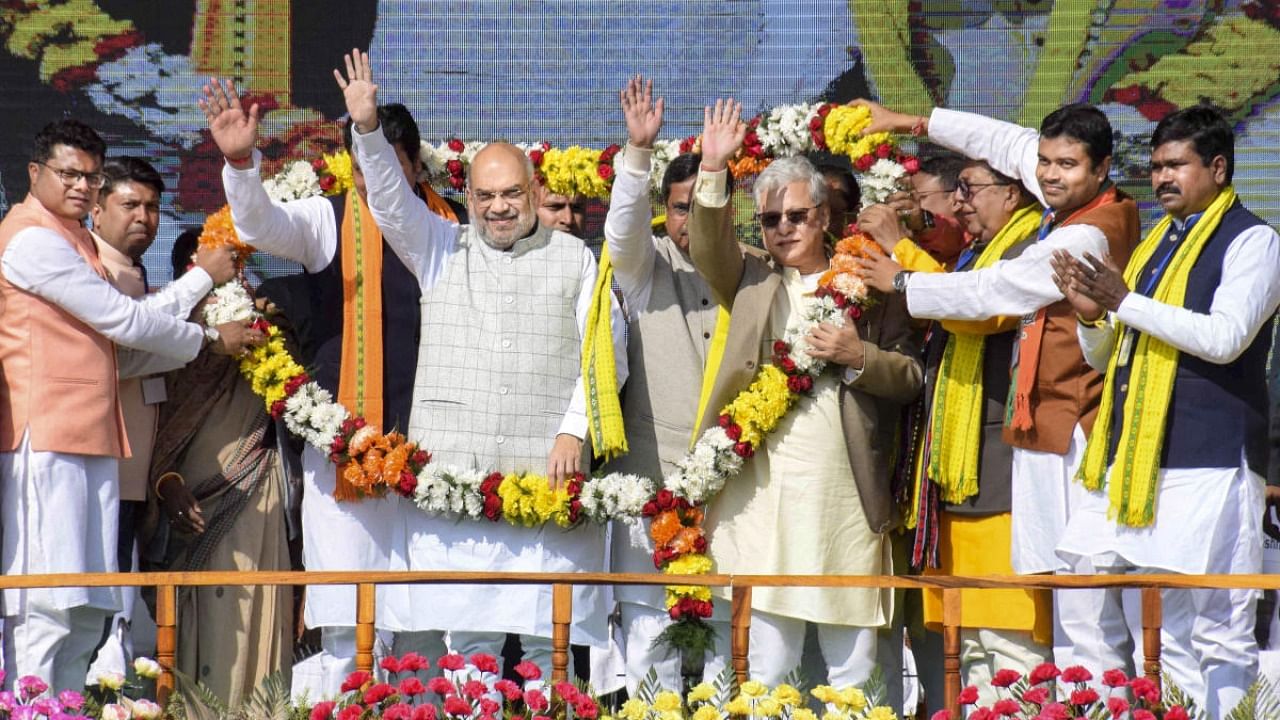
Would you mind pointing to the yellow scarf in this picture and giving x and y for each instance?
(599, 371)
(955, 420)
(1155, 364)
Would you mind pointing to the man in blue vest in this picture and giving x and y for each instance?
(1180, 447)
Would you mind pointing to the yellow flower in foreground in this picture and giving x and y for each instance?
(753, 689)
(853, 698)
(633, 709)
(738, 706)
(671, 715)
(803, 714)
(835, 715)
(787, 695)
(768, 707)
(707, 712)
(826, 694)
(666, 701)
(701, 692)
(691, 564)
(881, 713)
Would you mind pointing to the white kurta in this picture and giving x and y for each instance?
(426, 244)
(794, 508)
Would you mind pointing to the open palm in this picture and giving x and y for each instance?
(359, 91)
(234, 130)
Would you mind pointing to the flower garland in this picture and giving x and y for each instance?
(326, 175)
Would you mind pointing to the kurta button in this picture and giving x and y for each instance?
(705, 302)
(751, 363)
(500, 439)
(508, 299)
(503, 390)
(506, 343)
(1124, 387)
(706, 335)
(506, 259)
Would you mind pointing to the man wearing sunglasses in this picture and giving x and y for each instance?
(833, 448)
(66, 338)
(1054, 394)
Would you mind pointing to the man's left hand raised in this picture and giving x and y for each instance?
(359, 90)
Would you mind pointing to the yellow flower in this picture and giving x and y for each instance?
(633, 709)
(671, 715)
(835, 715)
(701, 692)
(758, 409)
(753, 689)
(787, 695)
(768, 707)
(707, 712)
(826, 694)
(881, 713)
(738, 706)
(803, 714)
(339, 165)
(666, 701)
(853, 698)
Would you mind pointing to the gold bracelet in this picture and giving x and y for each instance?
(160, 481)
(1098, 322)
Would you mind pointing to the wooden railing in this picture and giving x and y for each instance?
(167, 584)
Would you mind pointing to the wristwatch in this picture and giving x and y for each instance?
(211, 336)
(900, 281)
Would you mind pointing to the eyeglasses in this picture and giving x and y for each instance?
(965, 190)
(71, 178)
(797, 216)
(484, 198)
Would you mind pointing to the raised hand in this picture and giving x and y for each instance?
(885, 120)
(1067, 271)
(359, 90)
(883, 224)
(643, 116)
(722, 133)
(234, 130)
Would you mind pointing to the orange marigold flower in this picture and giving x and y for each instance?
(219, 231)
(664, 527)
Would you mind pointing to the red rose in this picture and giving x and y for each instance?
(454, 167)
(536, 701)
(1036, 695)
(359, 423)
(734, 432)
(408, 483)
(968, 696)
(351, 712)
(864, 163)
(457, 182)
(1044, 672)
(339, 444)
(454, 705)
(457, 145)
(819, 139)
(724, 421)
(378, 693)
(485, 662)
(356, 680)
(424, 712)
(277, 409)
(412, 686)
(509, 690)
(1145, 690)
(1117, 706)
(815, 123)
(440, 686)
(825, 109)
(649, 509)
(883, 150)
(318, 164)
(1076, 674)
(605, 172)
(665, 498)
(1005, 678)
(781, 347)
(608, 153)
(474, 689)
(323, 710)
(399, 711)
(1176, 713)
(528, 671)
(1006, 707)
(327, 182)
(800, 383)
(421, 457)
(1084, 696)
(452, 661)
(911, 164)
(700, 545)
(535, 157)
(1115, 678)
(788, 365)
(744, 449)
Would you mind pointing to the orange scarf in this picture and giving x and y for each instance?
(1027, 357)
(360, 374)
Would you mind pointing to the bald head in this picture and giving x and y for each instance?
(499, 194)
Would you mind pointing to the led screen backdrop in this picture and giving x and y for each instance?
(531, 71)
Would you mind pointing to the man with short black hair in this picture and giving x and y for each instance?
(61, 430)
(566, 213)
(1179, 450)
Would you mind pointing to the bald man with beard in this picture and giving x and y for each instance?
(498, 386)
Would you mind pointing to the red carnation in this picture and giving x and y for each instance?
(1005, 707)
(536, 701)
(734, 432)
(391, 664)
(1084, 696)
(440, 686)
(1076, 674)
(605, 172)
(351, 712)
(1037, 695)
(509, 690)
(408, 483)
(1143, 715)
(412, 686)
(1176, 713)
(457, 145)
(485, 662)
(1115, 678)
(399, 711)
(1117, 706)
(528, 670)
(488, 707)
(566, 691)
(327, 182)
(535, 156)
(1005, 678)
(968, 696)
(864, 163)
(378, 693)
(413, 662)
(585, 707)
(981, 714)
(454, 705)
(1145, 689)
(1054, 711)
(323, 710)
(452, 661)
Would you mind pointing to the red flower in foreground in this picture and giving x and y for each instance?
(1076, 674)
(1115, 678)
(1085, 696)
(968, 696)
(1043, 673)
(440, 686)
(424, 712)
(1117, 706)
(1176, 713)
(323, 710)
(981, 714)
(399, 711)
(351, 712)
(864, 163)
(474, 689)
(454, 705)
(744, 449)
(528, 670)
(378, 693)
(485, 662)
(536, 701)
(1145, 689)
(356, 680)
(941, 714)
(1036, 695)
(1143, 715)
(1006, 707)
(391, 664)
(509, 690)
(457, 145)
(1054, 711)
(412, 687)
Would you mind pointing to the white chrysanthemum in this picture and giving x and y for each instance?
(851, 286)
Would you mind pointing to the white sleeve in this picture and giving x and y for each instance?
(1009, 287)
(1246, 298)
(420, 238)
(575, 418)
(1011, 149)
(628, 229)
(1096, 343)
(304, 230)
(181, 296)
(43, 263)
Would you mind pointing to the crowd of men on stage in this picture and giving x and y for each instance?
(1037, 389)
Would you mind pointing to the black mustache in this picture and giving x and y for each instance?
(1168, 188)
(511, 216)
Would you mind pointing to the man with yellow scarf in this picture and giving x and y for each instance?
(1177, 455)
